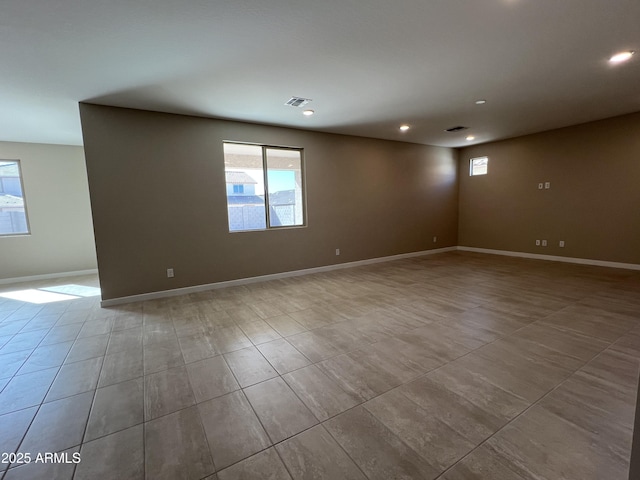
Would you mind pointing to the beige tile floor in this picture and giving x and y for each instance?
(455, 366)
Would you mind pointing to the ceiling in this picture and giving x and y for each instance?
(368, 65)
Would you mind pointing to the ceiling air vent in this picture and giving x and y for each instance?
(456, 129)
(298, 101)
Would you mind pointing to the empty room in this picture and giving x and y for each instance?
(320, 240)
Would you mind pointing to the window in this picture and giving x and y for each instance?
(264, 187)
(479, 166)
(13, 211)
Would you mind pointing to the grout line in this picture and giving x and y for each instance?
(534, 404)
(39, 406)
(286, 467)
(328, 277)
(204, 433)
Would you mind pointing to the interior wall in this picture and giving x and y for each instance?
(593, 204)
(157, 191)
(57, 199)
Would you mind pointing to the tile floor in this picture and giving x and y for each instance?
(455, 366)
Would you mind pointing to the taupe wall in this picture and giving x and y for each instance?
(158, 200)
(55, 186)
(593, 203)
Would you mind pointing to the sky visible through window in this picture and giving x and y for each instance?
(279, 180)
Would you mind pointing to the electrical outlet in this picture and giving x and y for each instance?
(547, 185)
(435, 239)
(337, 251)
(540, 186)
(544, 243)
(537, 243)
(170, 273)
(561, 243)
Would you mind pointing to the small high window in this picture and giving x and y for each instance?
(13, 209)
(478, 166)
(264, 187)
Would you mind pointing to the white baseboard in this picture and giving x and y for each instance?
(274, 276)
(552, 258)
(4, 281)
(295, 273)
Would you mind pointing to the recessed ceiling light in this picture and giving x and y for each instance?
(480, 102)
(622, 56)
(404, 128)
(470, 137)
(308, 113)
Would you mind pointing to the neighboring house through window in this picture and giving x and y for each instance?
(478, 166)
(257, 176)
(13, 210)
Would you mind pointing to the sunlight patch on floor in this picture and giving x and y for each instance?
(76, 290)
(52, 294)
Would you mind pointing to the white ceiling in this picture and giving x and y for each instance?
(368, 65)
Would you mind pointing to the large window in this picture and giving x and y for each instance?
(479, 166)
(13, 210)
(265, 187)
